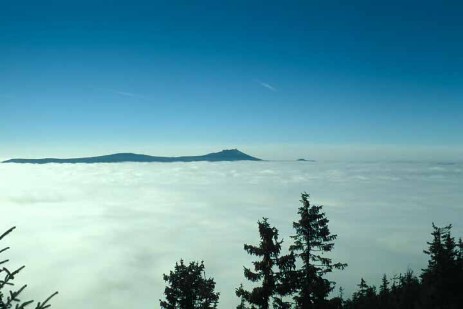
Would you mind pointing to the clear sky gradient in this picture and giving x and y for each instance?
(102, 76)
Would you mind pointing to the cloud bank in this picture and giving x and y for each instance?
(104, 234)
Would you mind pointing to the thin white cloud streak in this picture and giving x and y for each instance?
(104, 234)
(128, 94)
(266, 85)
(122, 93)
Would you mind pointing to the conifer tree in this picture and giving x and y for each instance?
(384, 293)
(442, 278)
(394, 293)
(265, 270)
(312, 240)
(8, 297)
(338, 301)
(188, 288)
(460, 252)
(459, 299)
(365, 297)
(384, 287)
(409, 290)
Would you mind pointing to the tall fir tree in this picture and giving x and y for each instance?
(266, 271)
(384, 287)
(384, 294)
(312, 240)
(188, 288)
(442, 280)
(460, 272)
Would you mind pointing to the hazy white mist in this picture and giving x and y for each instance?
(103, 235)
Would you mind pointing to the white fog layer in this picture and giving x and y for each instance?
(103, 234)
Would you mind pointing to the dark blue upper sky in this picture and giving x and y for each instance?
(82, 73)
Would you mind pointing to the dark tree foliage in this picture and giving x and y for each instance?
(312, 240)
(442, 279)
(188, 288)
(384, 293)
(274, 283)
(403, 294)
(300, 275)
(337, 302)
(439, 287)
(408, 292)
(460, 266)
(10, 298)
(365, 297)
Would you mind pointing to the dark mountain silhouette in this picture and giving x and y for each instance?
(224, 155)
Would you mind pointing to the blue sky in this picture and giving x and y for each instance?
(97, 76)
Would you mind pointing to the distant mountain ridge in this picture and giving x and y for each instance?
(224, 155)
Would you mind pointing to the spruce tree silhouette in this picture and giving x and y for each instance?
(312, 240)
(384, 293)
(439, 288)
(188, 288)
(408, 291)
(8, 297)
(265, 271)
(365, 297)
(442, 279)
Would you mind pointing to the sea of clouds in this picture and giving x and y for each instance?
(103, 234)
